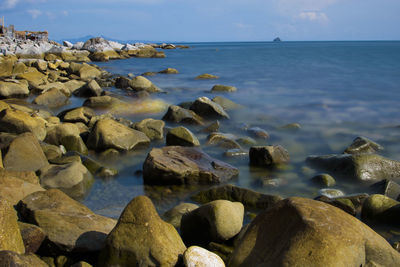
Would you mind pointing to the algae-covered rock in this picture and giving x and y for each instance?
(249, 198)
(388, 188)
(324, 179)
(216, 221)
(108, 133)
(25, 154)
(381, 209)
(304, 232)
(200, 257)
(223, 88)
(68, 225)
(140, 83)
(268, 156)
(174, 215)
(68, 135)
(181, 136)
(10, 235)
(223, 140)
(206, 76)
(74, 179)
(169, 71)
(154, 129)
(17, 122)
(360, 167)
(207, 108)
(141, 238)
(185, 165)
(179, 114)
(363, 145)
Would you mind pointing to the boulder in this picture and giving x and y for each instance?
(258, 132)
(81, 114)
(304, 232)
(33, 76)
(92, 88)
(381, 209)
(51, 98)
(216, 221)
(363, 145)
(27, 176)
(14, 189)
(207, 108)
(74, 179)
(10, 235)
(174, 215)
(25, 154)
(388, 188)
(74, 85)
(96, 168)
(178, 114)
(11, 258)
(104, 55)
(13, 89)
(140, 83)
(324, 179)
(249, 198)
(212, 127)
(142, 238)
(32, 235)
(108, 133)
(222, 140)
(268, 156)
(68, 225)
(41, 65)
(359, 167)
(223, 88)
(17, 122)
(87, 72)
(206, 76)
(181, 136)
(185, 165)
(169, 71)
(57, 85)
(6, 66)
(225, 103)
(200, 257)
(154, 129)
(68, 135)
(19, 68)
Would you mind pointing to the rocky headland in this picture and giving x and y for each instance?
(47, 167)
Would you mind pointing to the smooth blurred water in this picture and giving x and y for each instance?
(335, 90)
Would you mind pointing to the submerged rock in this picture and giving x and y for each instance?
(215, 221)
(223, 88)
(363, 145)
(185, 165)
(225, 103)
(323, 179)
(223, 140)
(268, 156)
(142, 238)
(249, 198)
(207, 108)
(360, 167)
(304, 232)
(206, 76)
(169, 71)
(181, 136)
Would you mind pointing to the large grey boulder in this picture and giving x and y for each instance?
(69, 225)
(107, 133)
(359, 167)
(185, 165)
(142, 238)
(304, 232)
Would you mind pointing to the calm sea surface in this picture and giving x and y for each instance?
(336, 91)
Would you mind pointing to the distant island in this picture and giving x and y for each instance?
(277, 39)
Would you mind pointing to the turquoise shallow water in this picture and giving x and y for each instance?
(335, 90)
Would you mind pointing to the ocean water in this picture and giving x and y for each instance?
(336, 91)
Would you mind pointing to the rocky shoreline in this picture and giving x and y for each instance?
(46, 169)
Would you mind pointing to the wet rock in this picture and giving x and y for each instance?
(324, 180)
(108, 133)
(360, 167)
(10, 258)
(249, 198)
(81, 114)
(184, 165)
(122, 82)
(236, 152)
(140, 83)
(178, 114)
(304, 232)
(181, 136)
(207, 108)
(330, 192)
(14, 189)
(148, 73)
(74, 179)
(341, 203)
(223, 140)
(216, 221)
(223, 88)
(96, 168)
(290, 126)
(363, 145)
(32, 236)
(92, 88)
(169, 71)
(141, 237)
(246, 141)
(213, 127)
(68, 225)
(206, 76)
(51, 98)
(258, 132)
(10, 235)
(225, 103)
(174, 215)
(154, 129)
(198, 256)
(381, 209)
(101, 101)
(87, 72)
(388, 188)
(268, 156)
(13, 89)
(68, 135)
(24, 154)
(17, 122)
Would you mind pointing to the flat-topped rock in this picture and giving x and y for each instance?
(51, 98)
(14, 89)
(185, 165)
(17, 122)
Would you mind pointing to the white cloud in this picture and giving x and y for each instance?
(313, 16)
(8, 4)
(34, 13)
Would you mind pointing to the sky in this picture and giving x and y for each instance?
(208, 20)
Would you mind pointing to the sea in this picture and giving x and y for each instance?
(335, 91)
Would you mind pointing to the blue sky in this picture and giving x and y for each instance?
(209, 20)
